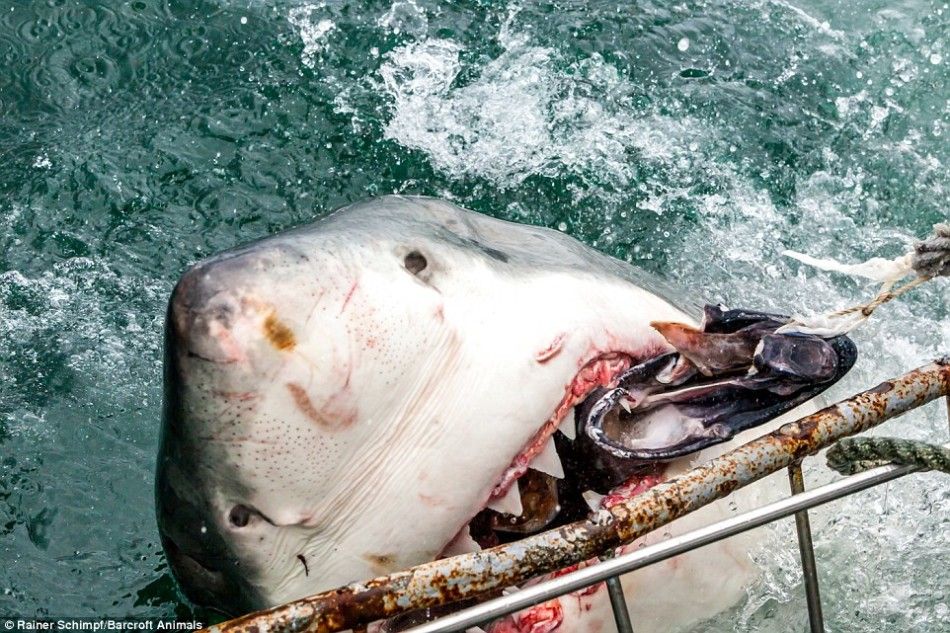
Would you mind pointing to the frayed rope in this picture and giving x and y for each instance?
(929, 259)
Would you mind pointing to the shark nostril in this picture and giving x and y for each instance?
(240, 515)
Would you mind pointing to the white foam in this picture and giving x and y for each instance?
(68, 310)
(405, 17)
(313, 30)
(521, 116)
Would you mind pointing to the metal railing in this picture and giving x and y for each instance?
(610, 571)
(475, 574)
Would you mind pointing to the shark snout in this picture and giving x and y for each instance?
(220, 320)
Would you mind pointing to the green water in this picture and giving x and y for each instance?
(697, 139)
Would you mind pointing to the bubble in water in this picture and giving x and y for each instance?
(42, 162)
(935, 59)
(683, 44)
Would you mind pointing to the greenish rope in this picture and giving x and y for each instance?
(856, 454)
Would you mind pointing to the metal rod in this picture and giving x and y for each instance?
(618, 602)
(806, 549)
(625, 563)
(470, 575)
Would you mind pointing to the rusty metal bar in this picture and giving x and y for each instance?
(470, 575)
(652, 554)
(806, 550)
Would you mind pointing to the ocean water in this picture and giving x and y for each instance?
(697, 139)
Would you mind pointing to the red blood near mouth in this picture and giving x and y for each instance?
(599, 372)
(547, 499)
(543, 618)
(551, 350)
(632, 487)
(548, 617)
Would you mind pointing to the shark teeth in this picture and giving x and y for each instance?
(509, 503)
(593, 499)
(548, 461)
(568, 426)
(463, 543)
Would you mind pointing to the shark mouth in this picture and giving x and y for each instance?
(623, 420)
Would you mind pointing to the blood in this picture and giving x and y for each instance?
(349, 295)
(551, 350)
(600, 371)
(543, 618)
(630, 488)
(330, 417)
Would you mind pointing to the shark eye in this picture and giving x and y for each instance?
(240, 515)
(415, 262)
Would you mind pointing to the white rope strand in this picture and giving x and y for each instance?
(929, 259)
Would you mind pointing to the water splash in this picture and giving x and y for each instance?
(313, 30)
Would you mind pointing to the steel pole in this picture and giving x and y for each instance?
(806, 550)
